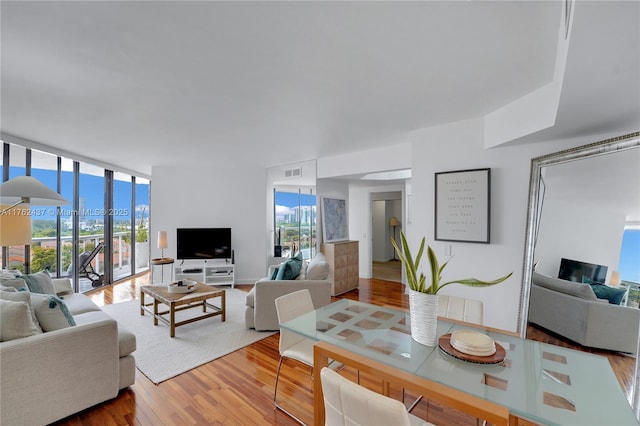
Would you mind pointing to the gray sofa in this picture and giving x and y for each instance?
(260, 310)
(51, 375)
(572, 310)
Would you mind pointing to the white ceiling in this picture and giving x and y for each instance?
(139, 84)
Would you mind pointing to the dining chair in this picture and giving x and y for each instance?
(293, 345)
(457, 308)
(347, 403)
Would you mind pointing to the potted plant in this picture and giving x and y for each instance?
(423, 298)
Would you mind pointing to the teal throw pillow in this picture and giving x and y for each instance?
(274, 274)
(613, 295)
(290, 269)
(40, 282)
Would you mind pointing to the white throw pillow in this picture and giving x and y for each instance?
(21, 296)
(17, 283)
(318, 268)
(15, 320)
(40, 282)
(62, 285)
(51, 311)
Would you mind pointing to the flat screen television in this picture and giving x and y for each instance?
(574, 270)
(203, 243)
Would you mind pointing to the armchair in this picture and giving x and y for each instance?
(260, 311)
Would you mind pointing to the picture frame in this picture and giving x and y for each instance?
(334, 219)
(463, 206)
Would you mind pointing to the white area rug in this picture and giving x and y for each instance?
(160, 357)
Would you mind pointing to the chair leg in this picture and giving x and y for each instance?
(275, 392)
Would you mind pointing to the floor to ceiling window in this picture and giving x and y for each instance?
(106, 208)
(295, 221)
(44, 223)
(142, 215)
(14, 257)
(122, 230)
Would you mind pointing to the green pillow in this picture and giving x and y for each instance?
(274, 274)
(290, 269)
(613, 295)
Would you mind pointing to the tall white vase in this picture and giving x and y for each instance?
(423, 309)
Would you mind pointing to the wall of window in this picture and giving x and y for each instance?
(44, 226)
(295, 221)
(15, 257)
(102, 210)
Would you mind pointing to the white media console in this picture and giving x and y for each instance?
(212, 272)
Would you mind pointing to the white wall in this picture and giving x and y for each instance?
(592, 235)
(222, 196)
(379, 230)
(459, 146)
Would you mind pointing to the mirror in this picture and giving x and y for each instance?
(602, 160)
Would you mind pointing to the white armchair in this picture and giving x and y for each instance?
(260, 311)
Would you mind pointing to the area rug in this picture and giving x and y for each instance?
(160, 357)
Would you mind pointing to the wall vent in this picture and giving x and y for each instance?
(293, 173)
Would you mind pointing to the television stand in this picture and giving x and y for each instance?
(211, 272)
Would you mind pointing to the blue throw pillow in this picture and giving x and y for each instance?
(613, 295)
(290, 269)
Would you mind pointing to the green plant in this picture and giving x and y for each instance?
(141, 232)
(417, 283)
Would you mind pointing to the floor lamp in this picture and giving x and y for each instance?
(394, 222)
(15, 222)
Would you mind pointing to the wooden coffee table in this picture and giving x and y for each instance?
(180, 301)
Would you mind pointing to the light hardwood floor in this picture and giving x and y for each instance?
(237, 389)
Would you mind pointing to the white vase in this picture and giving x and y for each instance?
(423, 309)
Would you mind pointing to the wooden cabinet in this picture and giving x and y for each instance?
(343, 261)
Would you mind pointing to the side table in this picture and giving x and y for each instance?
(161, 261)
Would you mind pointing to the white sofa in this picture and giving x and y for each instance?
(572, 310)
(49, 376)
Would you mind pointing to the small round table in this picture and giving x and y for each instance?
(161, 261)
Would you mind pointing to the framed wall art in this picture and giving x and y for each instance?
(462, 206)
(334, 220)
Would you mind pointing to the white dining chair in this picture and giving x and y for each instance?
(457, 308)
(293, 345)
(347, 403)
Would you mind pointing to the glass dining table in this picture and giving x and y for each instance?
(536, 382)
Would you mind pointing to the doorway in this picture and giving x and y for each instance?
(386, 211)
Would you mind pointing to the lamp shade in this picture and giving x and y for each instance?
(27, 189)
(394, 221)
(162, 240)
(15, 227)
(615, 279)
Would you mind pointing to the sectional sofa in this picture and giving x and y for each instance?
(572, 310)
(57, 372)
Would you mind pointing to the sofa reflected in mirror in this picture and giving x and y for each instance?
(573, 310)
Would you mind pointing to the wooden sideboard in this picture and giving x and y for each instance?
(343, 261)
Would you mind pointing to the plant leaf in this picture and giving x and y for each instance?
(474, 282)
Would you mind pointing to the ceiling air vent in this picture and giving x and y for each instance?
(293, 173)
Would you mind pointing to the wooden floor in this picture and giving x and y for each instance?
(237, 389)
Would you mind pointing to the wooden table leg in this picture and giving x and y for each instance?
(172, 319)
(320, 360)
(142, 303)
(155, 311)
(223, 305)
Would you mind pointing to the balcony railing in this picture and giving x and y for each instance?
(121, 255)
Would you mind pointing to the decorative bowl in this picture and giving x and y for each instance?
(182, 286)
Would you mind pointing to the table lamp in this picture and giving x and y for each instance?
(614, 281)
(162, 242)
